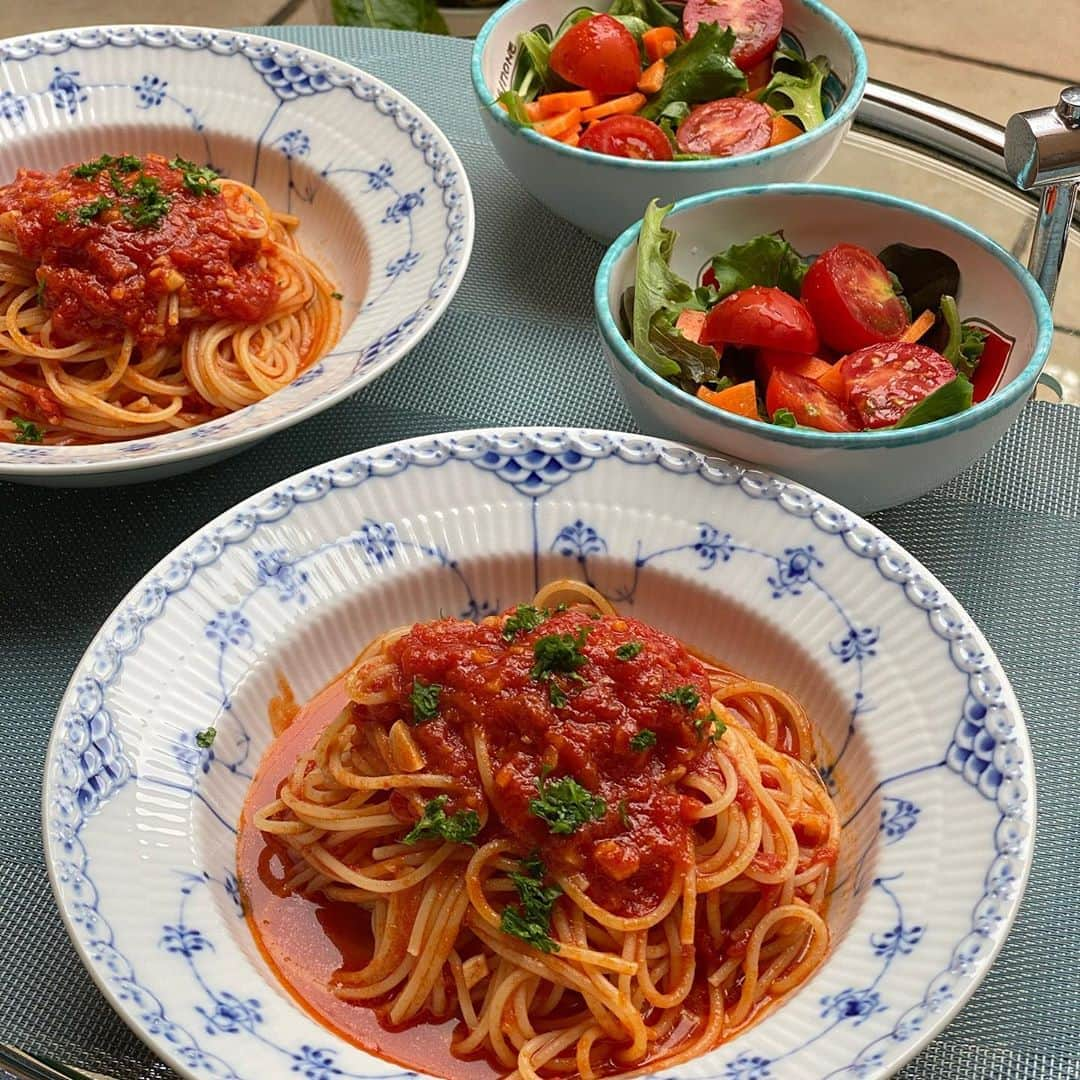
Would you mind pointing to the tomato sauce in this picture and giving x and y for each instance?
(629, 857)
(102, 276)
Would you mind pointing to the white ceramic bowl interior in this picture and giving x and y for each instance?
(383, 201)
(866, 470)
(603, 195)
(919, 730)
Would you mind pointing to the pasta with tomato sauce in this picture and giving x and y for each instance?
(140, 295)
(557, 839)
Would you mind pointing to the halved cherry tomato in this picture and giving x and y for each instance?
(761, 317)
(757, 25)
(882, 382)
(600, 54)
(627, 137)
(812, 406)
(725, 127)
(849, 293)
(770, 360)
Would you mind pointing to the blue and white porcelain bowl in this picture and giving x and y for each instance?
(384, 203)
(867, 470)
(603, 195)
(921, 737)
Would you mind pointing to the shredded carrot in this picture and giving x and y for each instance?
(810, 367)
(570, 140)
(690, 323)
(740, 399)
(628, 103)
(759, 75)
(919, 327)
(533, 111)
(557, 104)
(783, 129)
(652, 78)
(659, 42)
(560, 125)
(832, 381)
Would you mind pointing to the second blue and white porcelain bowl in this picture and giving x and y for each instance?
(866, 470)
(603, 195)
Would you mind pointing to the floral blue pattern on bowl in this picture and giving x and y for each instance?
(922, 739)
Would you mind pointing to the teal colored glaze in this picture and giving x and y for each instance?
(1022, 385)
(841, 115)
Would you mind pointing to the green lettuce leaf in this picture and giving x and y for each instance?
(946, 400)
(659, 296)
(515, 108)
(652, 11)
(420, 15)
(784, 418)
(765, 260)
(700, 70)
(799, 97)
(965, 346)
(697, 364)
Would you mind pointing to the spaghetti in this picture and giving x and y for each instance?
(140, 296)
(595, 851)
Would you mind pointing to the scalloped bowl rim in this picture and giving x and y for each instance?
(215, 445)
(844, 112)
(1021, 384)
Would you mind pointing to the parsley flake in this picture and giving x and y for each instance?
(558, 654)
(424, 699)
(628, 650)
(525, 618)
(624, 814)
(337, 296)
(88, 211)
(198, 179)
(126, 163)
(565, 805)
(459, 828)
(685, 696)
(27, 431)
(63, 215)
(556, 695)
(531, 919)
(710, 725)
(643, 740)
(205, 739)
(150, 204)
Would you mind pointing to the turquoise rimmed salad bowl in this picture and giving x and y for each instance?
(602, 194)
(865, 470)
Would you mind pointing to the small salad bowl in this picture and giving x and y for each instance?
(603, 194)
(864, 469)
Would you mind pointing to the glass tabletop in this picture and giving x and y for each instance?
(951, 161)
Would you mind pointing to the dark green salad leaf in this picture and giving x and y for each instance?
(925, 275)
(515, 107)
(535, 64)
(650, 11)
(420, 15)
(784, 418)
(953, 397)
(965, 346)
(798, 96)
(638, 27)
(699, 70)
(765, 260)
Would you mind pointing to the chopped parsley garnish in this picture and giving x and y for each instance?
(459, 828)
(126, 163)
(63, 215)
(643, 740)
(686, 696)
(41, 291)
(709, 725)
(525, 618)
(531, 919)
(150, 203)
(558, 654)
(337, 296)
(565, 805)
(205, 739)
(628, 650)
(424, 699)
(88, 211)
(28, 431)
(624, 813)
(556, 695)
(198, 179)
